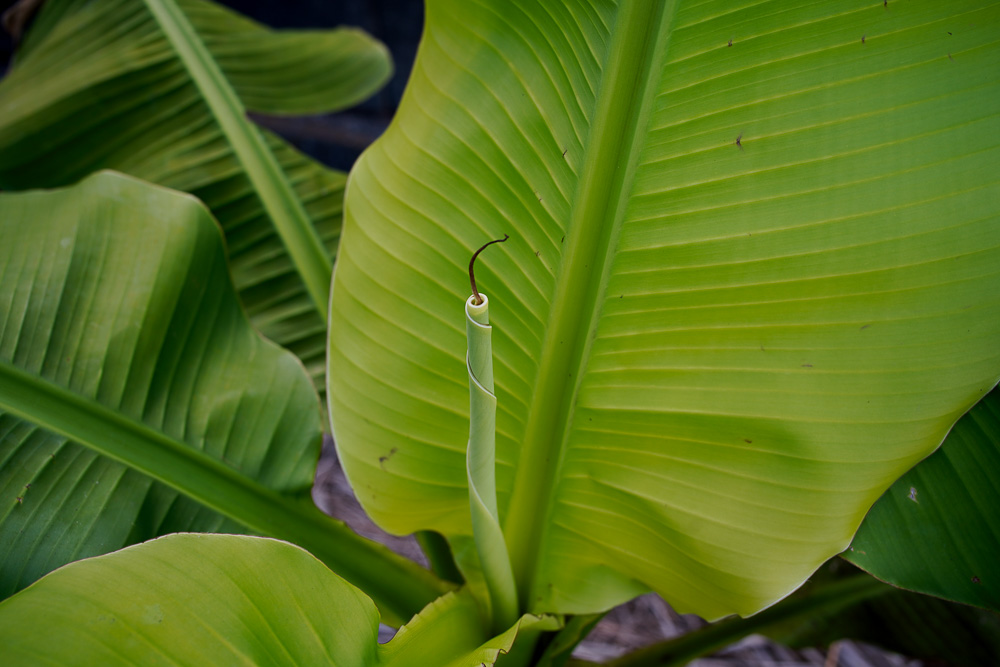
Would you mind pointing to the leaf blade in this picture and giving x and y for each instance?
(231, 599)
(935, 530)
(128, 339)
(778, 329)
(102, 87)
(282, 205)
(274, 72)
(208, 602)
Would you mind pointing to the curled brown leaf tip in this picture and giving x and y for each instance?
(477, 299)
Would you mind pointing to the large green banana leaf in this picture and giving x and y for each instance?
(753, 277)
(937, 529)
(157, 89)
(120, 330)
(227, 600)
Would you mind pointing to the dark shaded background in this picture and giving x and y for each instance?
(6, 45)
(338, 139)
(334, 139)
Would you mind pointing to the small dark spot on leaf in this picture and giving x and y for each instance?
(975, 580)
(622, 296)
(949, 33)
(383, 459)
(807, 365)
(730, 42)
(537, 253)
(562, 239)
(863, 38)
(739, 142)
(19, 500)
(950, 58)
(564, 151)
(864, 327)
(748, 441)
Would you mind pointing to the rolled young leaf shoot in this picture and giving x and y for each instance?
(480, 460)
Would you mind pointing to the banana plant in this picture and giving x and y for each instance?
(173, 413)
(133, 385)
(159, 89)
(749, 282)
(138, 400)
(299, 614)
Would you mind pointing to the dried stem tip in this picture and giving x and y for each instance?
(472, 276)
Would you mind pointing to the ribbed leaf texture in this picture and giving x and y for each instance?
(752, 278)
(937, 529)
(117, 291)
(115, 85)
(231, 599)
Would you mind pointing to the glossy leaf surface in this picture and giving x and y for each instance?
(120, 331)
(159, 90)
(116, 292)
(227, 599)
(752, 279)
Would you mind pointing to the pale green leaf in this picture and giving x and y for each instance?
(449, 632)
(227, 599)
(747, 286)
(490, 545)
(192, 600)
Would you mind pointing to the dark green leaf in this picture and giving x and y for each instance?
(937, 529)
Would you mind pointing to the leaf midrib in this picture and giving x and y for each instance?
(294, 227)
(639, 40)
(400, 587)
